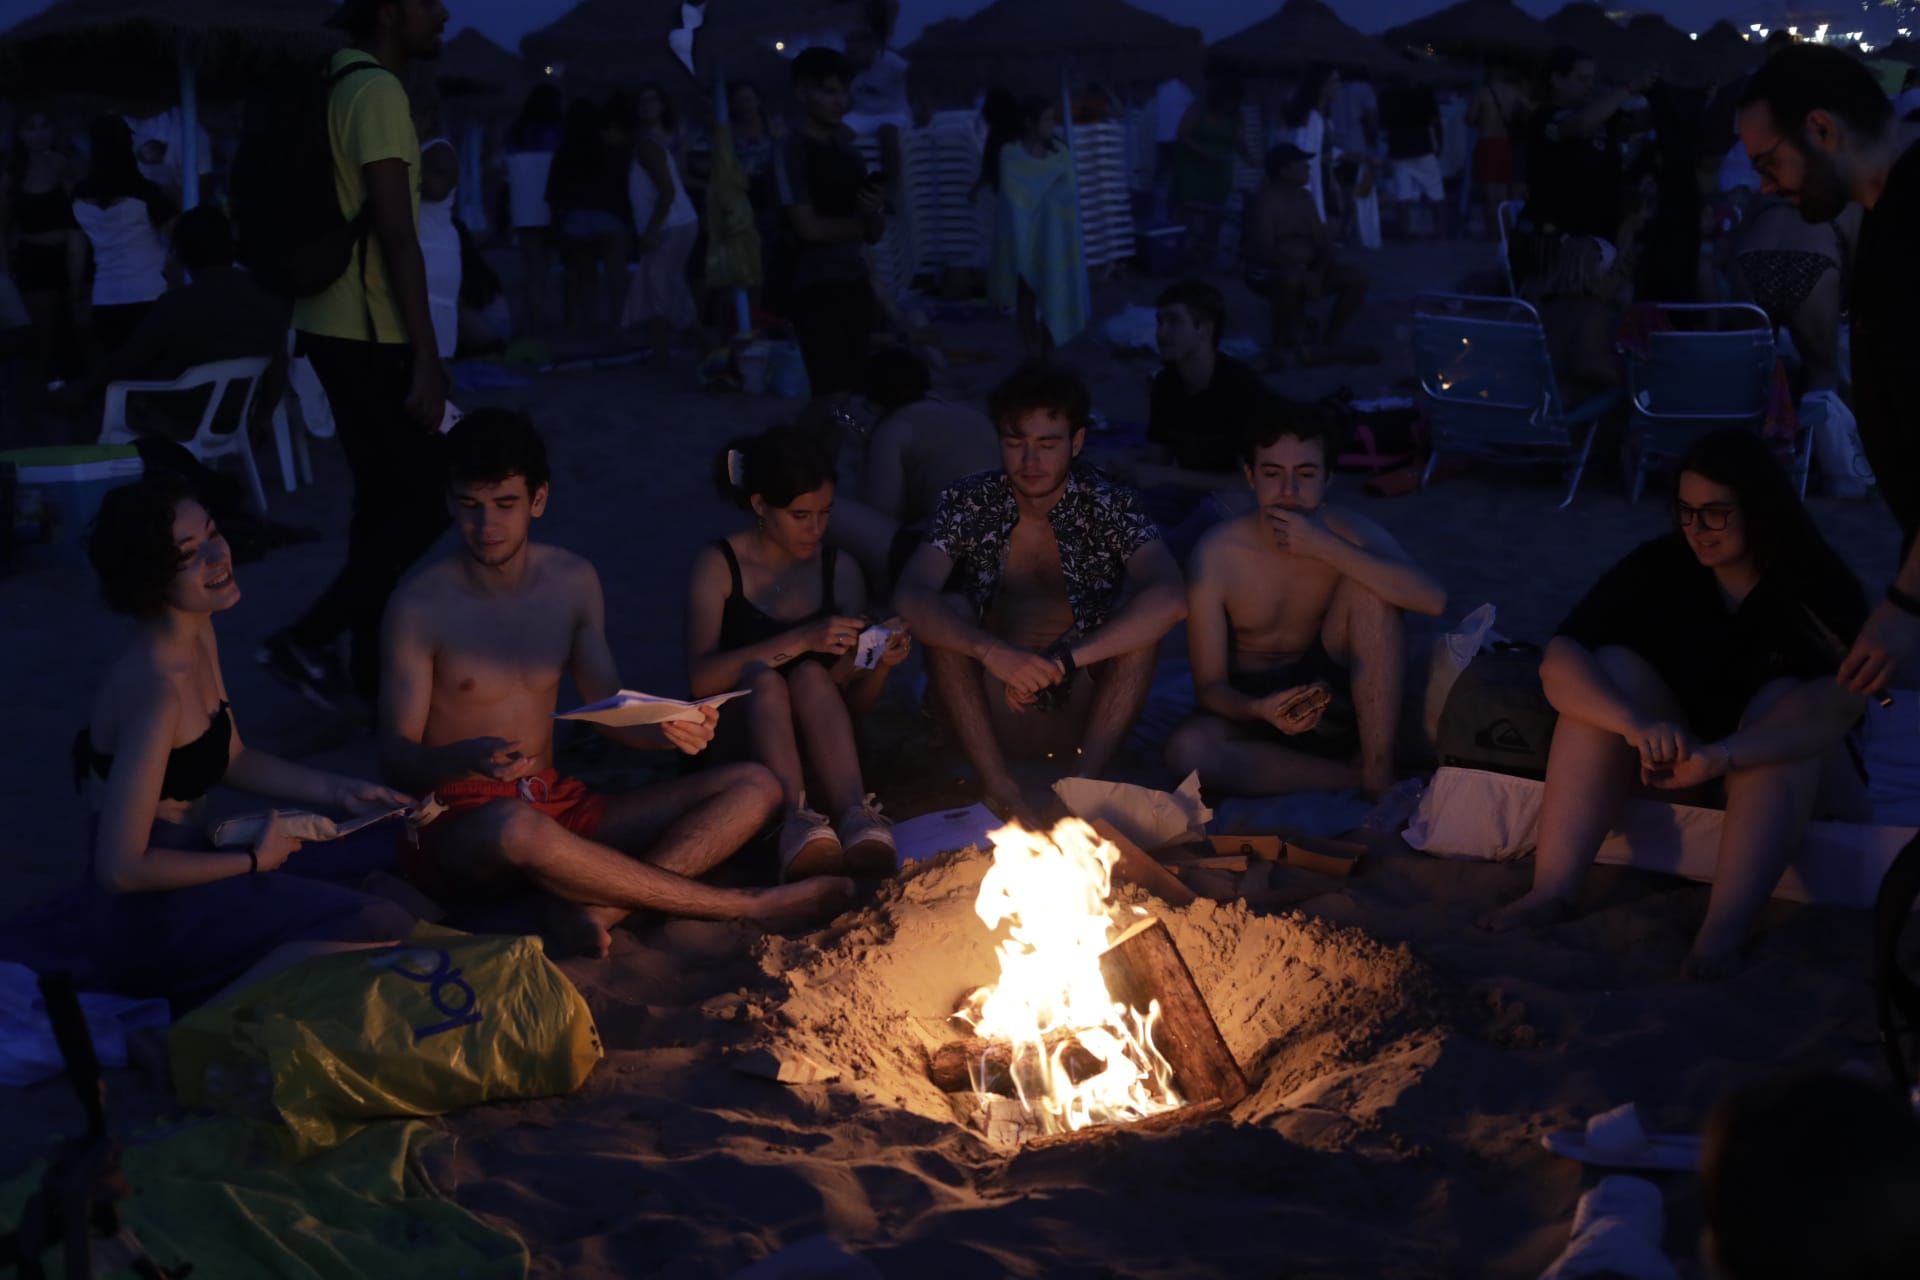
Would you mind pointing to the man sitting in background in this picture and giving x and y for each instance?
(218, 312)
(1293, 626)
(1291, 260)
(1203, 402)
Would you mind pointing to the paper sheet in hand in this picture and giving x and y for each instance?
(872, 641)
(627, 709)
(1145, 816)
(309, 828)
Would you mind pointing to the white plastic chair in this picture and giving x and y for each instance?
(207, 443)
(316, 418)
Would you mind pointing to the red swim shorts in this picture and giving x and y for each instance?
(566, 800)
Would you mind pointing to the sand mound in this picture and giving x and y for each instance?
(1299, 1001)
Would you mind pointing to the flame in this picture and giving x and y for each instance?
(1051, 892)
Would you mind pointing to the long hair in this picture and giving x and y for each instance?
(669, 120)
(1306, 99)
(1004, 120)
(778, 465)
(1786, 544)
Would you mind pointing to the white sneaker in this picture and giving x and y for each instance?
(868, 840)
(808, 847)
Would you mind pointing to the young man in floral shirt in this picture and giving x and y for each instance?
(1041, 594)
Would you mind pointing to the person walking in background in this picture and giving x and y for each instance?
(369, 336)
(1308, 129)
(531, 142)
(440, 241)
(1354, 126)
(664, 217)
(1412, 118)
(125, 219)
(592, 215)
(1203, 166)
(836, 210)
(42, 242)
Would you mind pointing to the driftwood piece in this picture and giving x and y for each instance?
(1165, 1122)
(978, 1065)
(1137, 867)
(1310, 853)
(1145, 966)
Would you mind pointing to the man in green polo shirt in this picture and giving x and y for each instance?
(369, 336)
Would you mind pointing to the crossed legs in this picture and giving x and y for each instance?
(1363, 634)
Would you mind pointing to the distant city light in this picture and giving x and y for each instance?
(547, 71)
(1693, 35)
(779, 46)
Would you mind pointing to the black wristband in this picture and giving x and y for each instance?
(1909, 605)
(1061, 651)
(253, 863)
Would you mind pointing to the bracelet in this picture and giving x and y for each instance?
(1909, 605)
(253, 863)
(1061, 651)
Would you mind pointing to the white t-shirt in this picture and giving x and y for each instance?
(440, 250)
(1170, 103)
(1353, 102)
(129, 260)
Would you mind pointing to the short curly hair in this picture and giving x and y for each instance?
(131, 542)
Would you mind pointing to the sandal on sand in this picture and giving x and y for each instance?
(808, 847)
(1615, 1140)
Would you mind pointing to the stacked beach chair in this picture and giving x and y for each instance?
(1106, 201)
(944, 165)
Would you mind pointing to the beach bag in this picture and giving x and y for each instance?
(445, 1020)
(1452, 654)
(1497, 717)
(289, 231)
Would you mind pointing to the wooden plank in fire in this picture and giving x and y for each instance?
(1143, 966)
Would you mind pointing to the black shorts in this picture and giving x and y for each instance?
(834, 325)
(40, 268)
(1337, 736)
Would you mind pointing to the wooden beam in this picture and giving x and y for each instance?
(1144, 966)
(1137, 867)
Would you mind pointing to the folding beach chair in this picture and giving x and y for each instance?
(1715, 373)
(1487, 381)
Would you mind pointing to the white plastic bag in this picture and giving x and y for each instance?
(1131, 329)
(1451, 654)
(1837, 450)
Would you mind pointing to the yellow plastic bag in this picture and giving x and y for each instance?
(444, 1021)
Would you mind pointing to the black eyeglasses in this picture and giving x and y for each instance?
(1712, 518)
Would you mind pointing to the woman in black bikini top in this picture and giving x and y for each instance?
(775, 611)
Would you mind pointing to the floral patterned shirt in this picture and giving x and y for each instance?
(1098, 524)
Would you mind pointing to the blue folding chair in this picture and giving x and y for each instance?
(1715, 374)
(1487, 381)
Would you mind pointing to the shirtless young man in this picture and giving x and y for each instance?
(1058, 570)
(475, 648)
(1293, 626)
(1291, 261)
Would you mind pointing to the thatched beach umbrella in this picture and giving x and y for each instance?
(470, 66)
(1663, 48)
(1476, 29)
(1029, 45)
(608, 43)
(1306, 33)
(1585, 26)
(149, 49)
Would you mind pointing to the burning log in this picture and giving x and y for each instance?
(977, 1065)
(1145, 966)
(1141, 868)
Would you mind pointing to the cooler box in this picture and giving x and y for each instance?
(1163, 250)
(56, 492)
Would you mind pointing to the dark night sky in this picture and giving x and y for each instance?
(507, 20)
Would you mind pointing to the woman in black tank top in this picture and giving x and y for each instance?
(160, 911)
(774, 610)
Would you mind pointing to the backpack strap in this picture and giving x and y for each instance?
(361, 223)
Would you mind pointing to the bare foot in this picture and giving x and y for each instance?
(803, 902)
(575, 929)
(1709, 962)
(1536, 908)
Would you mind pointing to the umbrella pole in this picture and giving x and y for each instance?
(189, 135)
(742, 313)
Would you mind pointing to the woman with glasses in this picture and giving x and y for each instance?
(1702, 666)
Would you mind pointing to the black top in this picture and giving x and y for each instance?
(1410, 117)
(192, 770)
(1886, 340)
(744, 623)
(1203, 429)
(39, 212)
(1576, 185)
(825, 175)
(1663, 604)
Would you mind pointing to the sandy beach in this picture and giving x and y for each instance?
(1404, 1065)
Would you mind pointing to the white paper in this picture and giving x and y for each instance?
(449, 415)
(872, 641)
(627, 709)
(1143, 815)
(315, 828)
(943, 831)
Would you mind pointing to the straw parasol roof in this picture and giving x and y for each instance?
(470, 65)
(1028, 45)
(606, 43)
(1663, 48)
(134, 48)
(1722, 53)
(1473, 29)
(1307, 33)
(1585, 26)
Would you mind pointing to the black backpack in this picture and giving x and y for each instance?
(1496, 716)
(288, 228)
